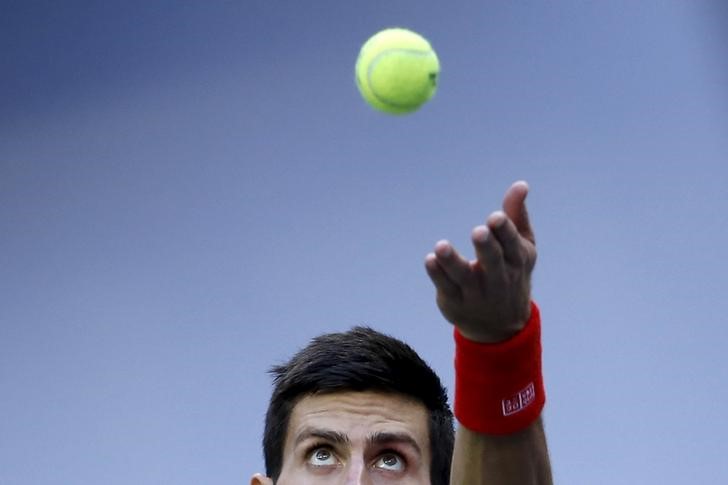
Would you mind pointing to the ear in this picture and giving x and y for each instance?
(259, 479)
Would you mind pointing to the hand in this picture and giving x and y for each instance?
(489, 298)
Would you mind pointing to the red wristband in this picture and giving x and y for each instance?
(499, 387)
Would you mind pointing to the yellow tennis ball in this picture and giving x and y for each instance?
(397, 71)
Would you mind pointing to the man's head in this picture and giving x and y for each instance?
(357, 402)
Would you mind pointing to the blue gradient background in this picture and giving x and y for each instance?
(189, 191)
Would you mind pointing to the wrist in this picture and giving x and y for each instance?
(499, 386)
(507, 332)
(478, 331)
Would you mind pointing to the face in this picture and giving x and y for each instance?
(356, 438)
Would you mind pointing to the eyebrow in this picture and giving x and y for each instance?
(379, 438)
(330, 436)
(384, 437)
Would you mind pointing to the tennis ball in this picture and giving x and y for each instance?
(397, 71)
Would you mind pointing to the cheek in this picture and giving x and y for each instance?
(306, 477)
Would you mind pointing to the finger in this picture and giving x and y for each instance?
(455, 266)
(488, 250)
(439, 277)
(514, 206)
(510, 240)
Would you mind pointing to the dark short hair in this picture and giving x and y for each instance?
(361, 359)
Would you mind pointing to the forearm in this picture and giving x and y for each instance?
(516, 459)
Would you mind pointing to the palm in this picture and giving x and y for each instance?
(488, 298)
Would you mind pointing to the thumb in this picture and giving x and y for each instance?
(514, 205)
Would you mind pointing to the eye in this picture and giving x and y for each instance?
(390, 462)
(322, 456)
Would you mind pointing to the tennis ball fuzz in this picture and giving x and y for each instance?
(397, 71)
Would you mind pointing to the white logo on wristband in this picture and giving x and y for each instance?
(520, 401)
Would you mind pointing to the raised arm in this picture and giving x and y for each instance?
(488, 300)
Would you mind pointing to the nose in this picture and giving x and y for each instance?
(356, 474)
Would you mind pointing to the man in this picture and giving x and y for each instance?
(362, 408)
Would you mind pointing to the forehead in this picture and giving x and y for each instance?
(360, 414)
